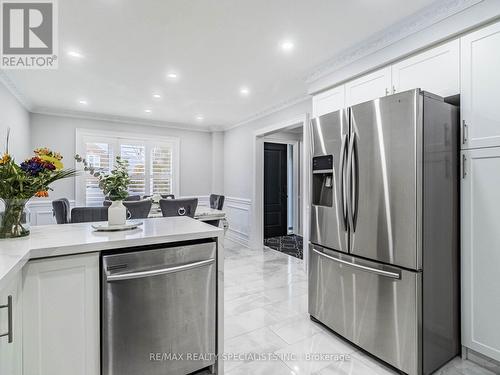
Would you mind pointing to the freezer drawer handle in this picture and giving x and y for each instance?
(8, 306)
(392, 275)
(163, 271)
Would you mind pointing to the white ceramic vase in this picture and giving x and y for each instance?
(117, 213)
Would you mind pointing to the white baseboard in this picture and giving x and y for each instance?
(238, 237)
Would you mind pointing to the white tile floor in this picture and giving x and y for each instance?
(266, 314)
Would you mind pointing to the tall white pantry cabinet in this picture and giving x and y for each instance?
(480, 107)
(469, 65)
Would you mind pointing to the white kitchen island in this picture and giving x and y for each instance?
(53, 277)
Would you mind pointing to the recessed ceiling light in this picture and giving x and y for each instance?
(287, 45)
(157, 96)
(244, 91)
(75, 54)
(172, 75)
(200, 118)
(83, 102)
(148, 111)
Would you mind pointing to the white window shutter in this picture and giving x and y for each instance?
(161, 169)
(100, 156)
(135, 155)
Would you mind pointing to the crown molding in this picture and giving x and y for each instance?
(115, 118)
(269, 111)
(434, 13)
(9, 84)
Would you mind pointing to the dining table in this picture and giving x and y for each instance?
(203, 213)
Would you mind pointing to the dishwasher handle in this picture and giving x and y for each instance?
(162, 271)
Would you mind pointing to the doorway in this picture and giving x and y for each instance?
(295, 132)
(282, 191)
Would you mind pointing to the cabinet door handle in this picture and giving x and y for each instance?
(465, 132)
(464, 172)
(8, 306)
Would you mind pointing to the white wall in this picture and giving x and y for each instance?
(238, 168)
(238, 149)
(15, 116)
(218, 163)
(59, 133)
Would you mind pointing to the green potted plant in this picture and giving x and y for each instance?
(114, 185)
(20, 182)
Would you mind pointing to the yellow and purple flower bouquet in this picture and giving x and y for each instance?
(20, 182)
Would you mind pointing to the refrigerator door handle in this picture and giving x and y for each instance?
(350, 182)
(355, 188)
(342, 175)
(376, 271)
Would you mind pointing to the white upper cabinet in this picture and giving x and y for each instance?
(480, 78)
(11, 352)
(329, 101)
(368, 87)
(436, 70)
(61, 316)
(481, 251)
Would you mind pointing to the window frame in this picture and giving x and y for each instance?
(115, 138)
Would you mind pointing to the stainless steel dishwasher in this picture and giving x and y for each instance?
(158, 310)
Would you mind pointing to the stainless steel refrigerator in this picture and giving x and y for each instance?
(383, 269)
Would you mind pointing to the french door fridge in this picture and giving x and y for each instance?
(383, 269)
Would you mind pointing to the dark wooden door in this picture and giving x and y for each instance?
(275, 190)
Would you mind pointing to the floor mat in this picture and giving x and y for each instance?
(290, 245)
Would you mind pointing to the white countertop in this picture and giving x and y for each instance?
(67, 239)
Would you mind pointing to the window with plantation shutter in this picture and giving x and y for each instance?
(161, 170)
(135, 155)
(153, 163)
(99, 155)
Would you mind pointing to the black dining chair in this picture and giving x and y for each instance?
(89, 214)
(127, 199)
(137, 209)
(216, 202)
(178, 207)
(60, 210)
(167, 196)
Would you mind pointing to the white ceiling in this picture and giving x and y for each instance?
(215, 46)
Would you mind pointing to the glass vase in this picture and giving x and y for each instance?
(14, 218)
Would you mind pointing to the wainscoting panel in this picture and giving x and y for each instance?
(238, 211)
(41, 211)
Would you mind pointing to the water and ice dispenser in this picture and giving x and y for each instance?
(322, 189)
